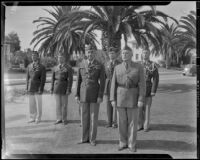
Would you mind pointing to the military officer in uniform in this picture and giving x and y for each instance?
(89, 93)
(109, 69)
(152, 80)
(62, 79)
(127, 94)
(35, 81)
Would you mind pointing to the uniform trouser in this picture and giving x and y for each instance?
(111, 112)
(127, 121)
(35, 106)
(61, 106)
(144, 114)
(89, 121)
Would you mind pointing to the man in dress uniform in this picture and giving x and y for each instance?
(89, 93)
(152, 80)
(127, 94)
(35, 81)
(109, 69)
(62, 79)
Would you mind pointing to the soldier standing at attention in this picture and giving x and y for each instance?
(35, 81)
(89, 93)
(62, 79)
(109, 69)
(151, 74)
(127, 94)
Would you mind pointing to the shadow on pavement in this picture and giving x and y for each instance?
(174, 146)
(102, 123)
(74, 121)
(107, 141)
(31, 140)
(22, 131)
(172, 127)
(179, 88)
(15, 118)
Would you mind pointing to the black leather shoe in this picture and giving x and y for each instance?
(81, 142)
(139, 129)
(132, 149)
(31, 121)
(93, 143)
(58, 121)
(114, 126)
(122, 148)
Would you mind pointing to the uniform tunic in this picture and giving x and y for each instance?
(36, 77)
(151, 74)
(62, 79)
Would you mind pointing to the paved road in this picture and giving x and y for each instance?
(173, 125)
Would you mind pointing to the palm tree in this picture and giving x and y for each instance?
(52, 41)
(45, 34)
(115, 21)
(169, 49)
(186, 37)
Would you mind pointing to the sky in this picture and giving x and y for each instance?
(20, 18)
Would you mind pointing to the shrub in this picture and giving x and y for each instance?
(48, 62)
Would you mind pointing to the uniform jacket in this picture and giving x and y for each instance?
(62, 79)
(36, 77)
(151, 77)
(109, 69)
(128, 85)
(90, 81)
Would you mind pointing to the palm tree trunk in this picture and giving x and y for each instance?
(111, 40)
(168, 58)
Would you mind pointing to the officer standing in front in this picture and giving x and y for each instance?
(152, 80)
(127, 94)
(62, 79)
(109, 69)
(35, 81)
(89, 93)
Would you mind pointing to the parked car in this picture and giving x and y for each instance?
(190, 69)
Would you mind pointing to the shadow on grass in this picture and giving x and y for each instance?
(172, 127)
(179, 88)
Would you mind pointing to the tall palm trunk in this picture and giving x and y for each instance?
(110, 40)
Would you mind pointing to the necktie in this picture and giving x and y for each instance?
(126, 65)
(89, 63)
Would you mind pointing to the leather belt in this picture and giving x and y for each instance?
(123, 86)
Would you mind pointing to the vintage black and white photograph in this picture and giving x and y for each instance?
(96, 79)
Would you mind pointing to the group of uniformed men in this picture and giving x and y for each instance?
(128, 88)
